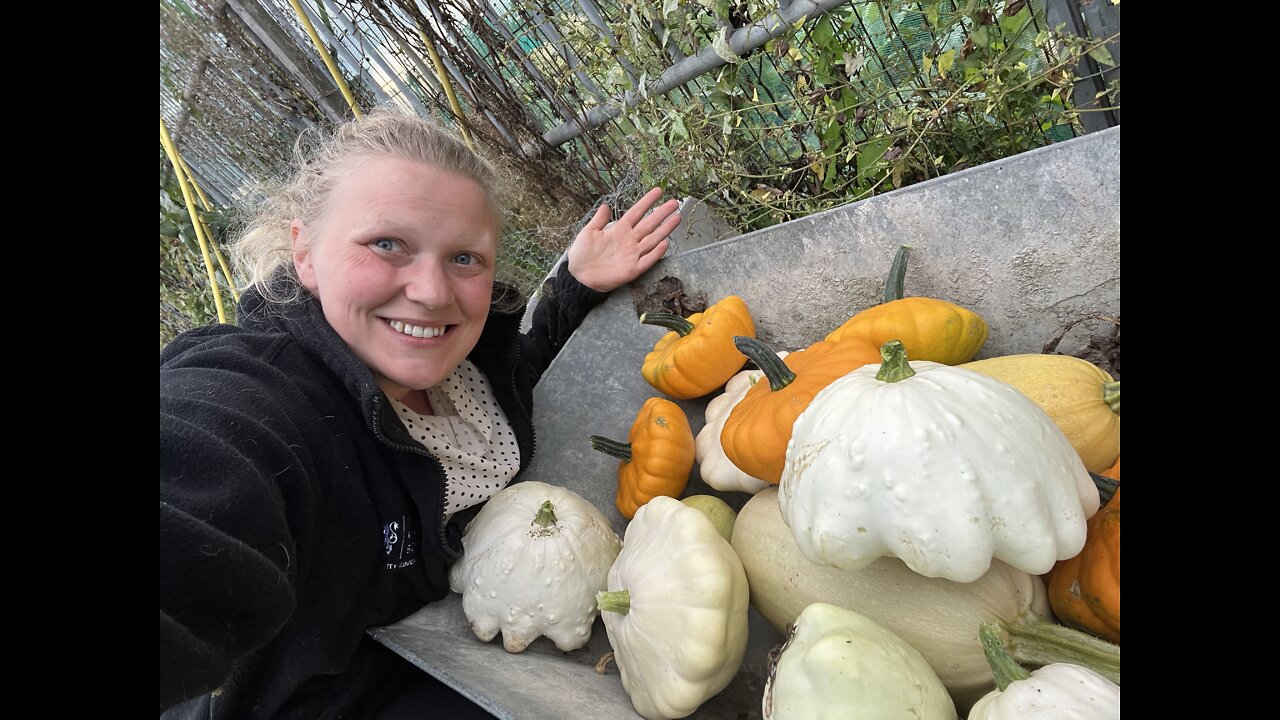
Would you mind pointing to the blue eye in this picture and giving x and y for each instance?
(385, 244)
(466, 259)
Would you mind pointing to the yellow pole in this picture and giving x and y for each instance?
(176, 161)
(324, 55)
(217, 251)
(443, 77)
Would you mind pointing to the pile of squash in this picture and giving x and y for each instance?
(921, 527)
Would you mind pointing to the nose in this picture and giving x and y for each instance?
(426, 283)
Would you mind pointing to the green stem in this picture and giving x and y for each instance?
(894, 284)
(1003, 667)
(1106, 487)
(767, 360)
(1040, 643)
(614, 601)
(895, 367)
(669, 321)
(616, 448)
(1111, 395)
(546, 516)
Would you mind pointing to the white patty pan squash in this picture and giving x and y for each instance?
(675, 610)
(942, 467)
(716, 469)
(1059, 691)
(533, 559)
(839, 665)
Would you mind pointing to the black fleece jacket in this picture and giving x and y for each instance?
(296, 511)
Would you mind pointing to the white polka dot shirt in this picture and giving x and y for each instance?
(469, 434)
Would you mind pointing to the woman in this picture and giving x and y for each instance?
(319, 459)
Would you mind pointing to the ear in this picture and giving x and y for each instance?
(302, 256)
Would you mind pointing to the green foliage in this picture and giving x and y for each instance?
(868, 98)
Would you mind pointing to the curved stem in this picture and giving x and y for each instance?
(546, 516)
(767, 360)
(1040, 643)
(1003, 667)
(668, 321)
(1111, 395)
(615, 601)
(616, 448)
(894, 284)
(895, 367)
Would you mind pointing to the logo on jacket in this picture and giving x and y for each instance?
(397, 541)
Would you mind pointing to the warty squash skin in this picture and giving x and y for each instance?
(1081, 398)
(535, 556)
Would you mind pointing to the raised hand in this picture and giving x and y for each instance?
(605, 255)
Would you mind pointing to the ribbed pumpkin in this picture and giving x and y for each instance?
(698, 355)
(1081, 398)
(929, 328)
(1085, 590)
(756, 433)
(657, 457)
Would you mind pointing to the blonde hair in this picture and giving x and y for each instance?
(322, 160)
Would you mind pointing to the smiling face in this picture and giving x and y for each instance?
(402, 262)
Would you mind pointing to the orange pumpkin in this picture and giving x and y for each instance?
(657, 457)
(1113, 472)
(698, 355)
(1084, 591)
(929, 328)
(757, 431)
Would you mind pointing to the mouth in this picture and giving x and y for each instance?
(418, 331)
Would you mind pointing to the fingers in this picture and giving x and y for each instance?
(634, 215)
(601, 218)
(651, 258)
(663, 214)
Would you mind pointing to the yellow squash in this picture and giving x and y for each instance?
(1081, 398)
(929, 328)
(698, 355)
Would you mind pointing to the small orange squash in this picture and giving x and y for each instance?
(698, 355)
(929, 328)
(756, 434)
(657, 457)
(1113, 472)
(1084, 591)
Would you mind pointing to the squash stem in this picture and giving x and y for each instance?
(1111, 395)
(614, 601)
(616, 448)
(767, 360)
(1106, 487)
(669, 321)
(895, 367)
(1040, 643)
(546, 516)
(1003, 667)
(894, 284)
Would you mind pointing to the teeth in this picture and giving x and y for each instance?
(416, 330)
